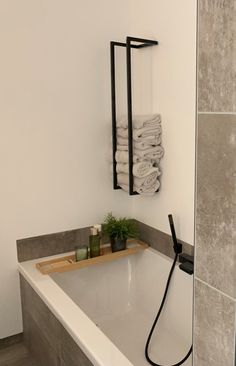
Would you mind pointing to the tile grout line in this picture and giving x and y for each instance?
(234, 334)
(230, 113)
(216, 289)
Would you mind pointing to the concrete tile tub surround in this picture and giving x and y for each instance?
(215, 250)
(44, 335)
(57, 243)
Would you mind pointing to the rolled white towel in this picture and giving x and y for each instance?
(146, 132)
(123, 157)
(141, 145)
(147, 191)
(140, 170)
(151, 140)
(147, 181)
(122, 132)
(140, 121)
(122, 141)
(122, 147)
(154, 153)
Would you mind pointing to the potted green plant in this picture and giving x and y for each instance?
(119, 229)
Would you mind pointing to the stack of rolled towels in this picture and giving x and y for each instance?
(147, 153)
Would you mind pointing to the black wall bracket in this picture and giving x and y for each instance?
(131, 42)
(187, 263)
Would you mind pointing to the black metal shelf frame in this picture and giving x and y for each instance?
(142, 43)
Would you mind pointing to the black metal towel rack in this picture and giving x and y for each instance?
(142, 44)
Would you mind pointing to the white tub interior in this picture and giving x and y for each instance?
(122, 298)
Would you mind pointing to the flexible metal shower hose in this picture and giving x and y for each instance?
(156, 320)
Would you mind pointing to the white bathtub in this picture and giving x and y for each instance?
(109, 308)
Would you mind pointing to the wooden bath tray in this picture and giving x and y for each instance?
(68, 263)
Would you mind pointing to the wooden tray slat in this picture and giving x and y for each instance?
(68, 263)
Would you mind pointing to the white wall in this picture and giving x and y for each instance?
(171, 66)
(55, 119)
(54, 125)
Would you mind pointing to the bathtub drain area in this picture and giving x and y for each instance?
(129, 331)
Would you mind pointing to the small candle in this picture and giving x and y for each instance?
(81, 253)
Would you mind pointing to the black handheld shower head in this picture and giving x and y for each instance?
(177, 246)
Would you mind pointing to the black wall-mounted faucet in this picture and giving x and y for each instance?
(187, 261)
(177, 246)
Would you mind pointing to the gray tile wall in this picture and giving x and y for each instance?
(217, 56)
(51, 244)
(160, 241)
(215, 245)
(214, 327)
(216, 202)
